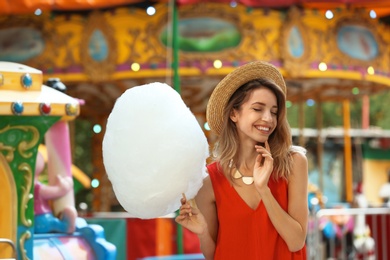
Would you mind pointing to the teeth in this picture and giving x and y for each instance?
(263, 128)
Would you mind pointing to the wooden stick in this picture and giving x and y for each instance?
(184, 197)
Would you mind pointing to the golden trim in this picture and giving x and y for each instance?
(23, 238)
(98, 70)
(10, 151)
(9, 212)
(32, 109)
(12, 77)
(24, 145)
(28, 176)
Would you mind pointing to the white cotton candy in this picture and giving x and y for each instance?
(153, 151)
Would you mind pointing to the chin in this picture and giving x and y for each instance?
(261, 140)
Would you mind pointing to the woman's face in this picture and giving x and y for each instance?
(256, 119)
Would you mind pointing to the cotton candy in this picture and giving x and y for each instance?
(153, 151)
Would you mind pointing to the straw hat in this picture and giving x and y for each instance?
(225, 89)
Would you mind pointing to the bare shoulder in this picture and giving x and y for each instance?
(300, 163)
(299, 157)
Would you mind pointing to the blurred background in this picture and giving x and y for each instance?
(334, 55)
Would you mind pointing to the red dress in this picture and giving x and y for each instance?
(245, 233)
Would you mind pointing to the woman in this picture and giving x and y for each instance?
(253, 204)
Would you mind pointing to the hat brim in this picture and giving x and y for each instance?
(228, 85)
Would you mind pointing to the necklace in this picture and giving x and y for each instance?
(248, 180)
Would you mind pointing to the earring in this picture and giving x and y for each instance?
(230, 163)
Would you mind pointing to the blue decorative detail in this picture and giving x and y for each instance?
(295, 43)
(98, 46)
(357, 42)
(18, 44)
(17, 108)
(46, 223)
(235, 63)
(89, 238)
(26, 80)
(94, 234)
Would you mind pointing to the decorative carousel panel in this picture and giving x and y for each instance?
(19, 44)
(25, 39)
(204, 34)
(98, 48)
(21, 38)
(295, 47)
(357, 42)
(354, 40)
(210, 31)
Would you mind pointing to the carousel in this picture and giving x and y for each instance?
(38, 217)
(328, 51)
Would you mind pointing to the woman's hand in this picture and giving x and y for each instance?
(191, 218)
(263, 168)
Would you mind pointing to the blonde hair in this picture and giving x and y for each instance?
(280, 141)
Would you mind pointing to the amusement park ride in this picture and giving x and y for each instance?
(38, 219)
(100, 49)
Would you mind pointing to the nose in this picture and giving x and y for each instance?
(267, 116)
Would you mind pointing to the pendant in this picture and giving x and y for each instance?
(237, 175)
(247, 180)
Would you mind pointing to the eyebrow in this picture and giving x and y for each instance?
(262, 104)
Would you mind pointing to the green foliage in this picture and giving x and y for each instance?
(82, 155)
(332, 113)
(379, 110)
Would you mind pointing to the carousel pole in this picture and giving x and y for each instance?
(175, 45)
(366, 112)
(347, 152)
(320, 148)
(176, 86)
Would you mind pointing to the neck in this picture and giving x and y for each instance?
(246, 163)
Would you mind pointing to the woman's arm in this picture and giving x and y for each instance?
(291, 225)
(202, 218)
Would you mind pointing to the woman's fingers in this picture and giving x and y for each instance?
(264, 151)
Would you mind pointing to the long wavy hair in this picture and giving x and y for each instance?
(280, 141)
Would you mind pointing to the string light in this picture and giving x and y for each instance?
(95, 183)
(97, 128)
(233, 4)
(38, 12)
(135, 66)
(370, 70)
(372, 14)
(310, 102)
(217, 64)
(329, 14)
(151, 10)
(322, 66)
